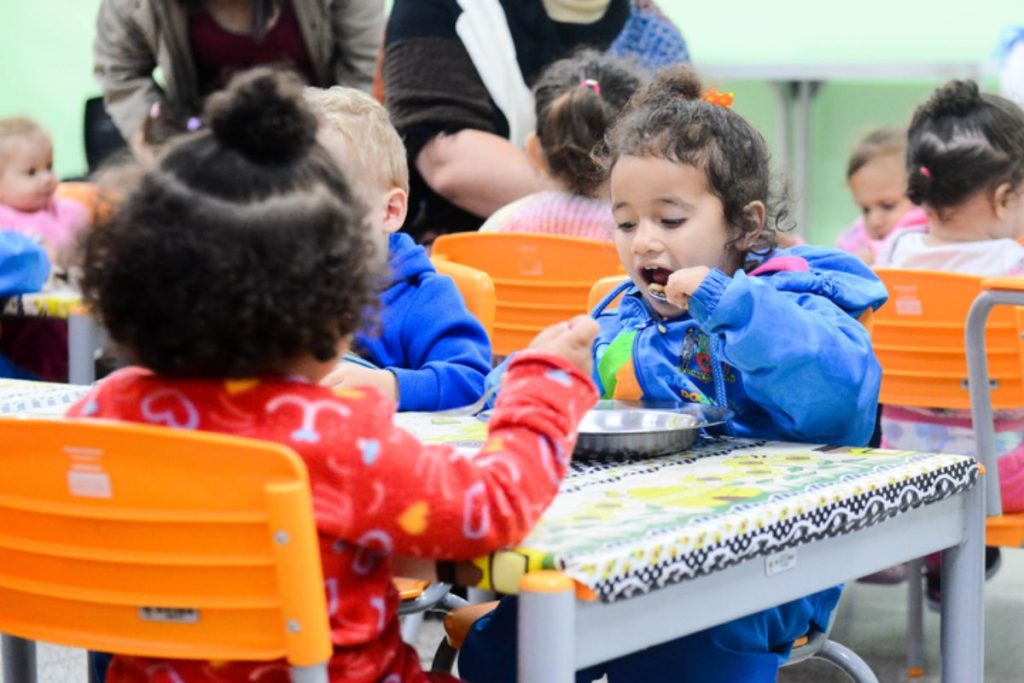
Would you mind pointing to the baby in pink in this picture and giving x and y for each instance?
(27, 186)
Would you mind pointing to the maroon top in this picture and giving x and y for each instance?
(219, 53)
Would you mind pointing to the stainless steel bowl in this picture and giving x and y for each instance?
(617, 430)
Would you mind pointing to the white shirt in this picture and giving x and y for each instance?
(984, 257)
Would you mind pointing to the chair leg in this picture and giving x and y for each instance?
(19, 657)
(444, 658)
(915, 618)
(411, 624)
(847, 661)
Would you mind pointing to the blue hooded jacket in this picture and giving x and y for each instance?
(436, 349)
(780, 346)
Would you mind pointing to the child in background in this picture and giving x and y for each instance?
(713, 312)
(28, 206)
(877, 176)
(430, 351)
(234, 275)
(576, 100)
(27, 186)
(965, 163)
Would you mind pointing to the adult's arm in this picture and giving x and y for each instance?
(478, 171)
(358, 30)
(123, 64)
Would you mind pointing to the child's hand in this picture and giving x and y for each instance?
(683, 283)
(349, 375)
(573, 340)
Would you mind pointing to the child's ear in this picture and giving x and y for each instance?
(395, 208)
(754, 213)
(1001, 199)
(535, 153)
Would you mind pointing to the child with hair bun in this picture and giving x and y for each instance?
(715, 312)
(965, 164)
(243, 255)
(877, 176)
(576, 101)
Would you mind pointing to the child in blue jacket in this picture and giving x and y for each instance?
(430, 352)
(713, 312)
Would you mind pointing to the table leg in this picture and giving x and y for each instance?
(963, 578)
(83, 337)
(915, 619)
(19, 657)
(546, 629)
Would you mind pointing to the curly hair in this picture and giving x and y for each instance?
(576, 101)
(668, 119)
(243, 251)
(962, 141)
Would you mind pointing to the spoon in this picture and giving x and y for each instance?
(476, 406)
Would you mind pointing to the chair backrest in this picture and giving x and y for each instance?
(602, 288)
(102, 138)
(476, 287)
(158, 542)
(918, 336)
(539, 279)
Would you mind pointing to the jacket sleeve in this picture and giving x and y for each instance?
(801, 357)
(123, 63)
(358, 30)
(433, 501)
(447, 351)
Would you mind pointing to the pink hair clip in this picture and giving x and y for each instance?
(925, 171)
(592, 84)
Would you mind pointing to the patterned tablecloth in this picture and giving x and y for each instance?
(39, 399)
(623, 528)
(44, 304)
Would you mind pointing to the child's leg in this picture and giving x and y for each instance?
(746, 650)
(489, 653)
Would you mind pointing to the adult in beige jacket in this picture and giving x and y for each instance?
(133, 37)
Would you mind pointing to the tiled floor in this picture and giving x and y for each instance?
(871, 620)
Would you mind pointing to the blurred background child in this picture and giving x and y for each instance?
(27, 187)
(965, 166)
(243, 256)
(576, 100)
(877, 176)
(430, 352)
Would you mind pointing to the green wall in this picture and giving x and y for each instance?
(46, 67)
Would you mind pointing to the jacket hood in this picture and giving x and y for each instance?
(406, 259)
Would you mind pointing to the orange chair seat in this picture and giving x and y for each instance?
(1005, 530)
(409, 589)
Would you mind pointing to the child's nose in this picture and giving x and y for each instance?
(647, 238)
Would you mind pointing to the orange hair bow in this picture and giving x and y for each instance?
(722, 99)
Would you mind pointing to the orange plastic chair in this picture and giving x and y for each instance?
(539, 279)
(919, 339)
(156, 542)
(602, 288)
(477, 290)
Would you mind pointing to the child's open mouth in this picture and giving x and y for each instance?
(656, 279)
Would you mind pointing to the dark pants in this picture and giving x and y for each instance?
(745, 650)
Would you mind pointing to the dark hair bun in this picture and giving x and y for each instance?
(955, 98)
(676, 82)
(262, 115)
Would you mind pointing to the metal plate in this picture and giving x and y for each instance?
(616, 429)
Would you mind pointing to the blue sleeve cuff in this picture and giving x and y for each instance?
(705, 300)
(417, 389)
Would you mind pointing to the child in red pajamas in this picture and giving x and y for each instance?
(234, 275)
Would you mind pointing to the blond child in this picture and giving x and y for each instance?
(430, 352)
(27, 187)
(243, 256)
(877, 178)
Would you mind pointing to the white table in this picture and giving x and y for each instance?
(796, 85)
